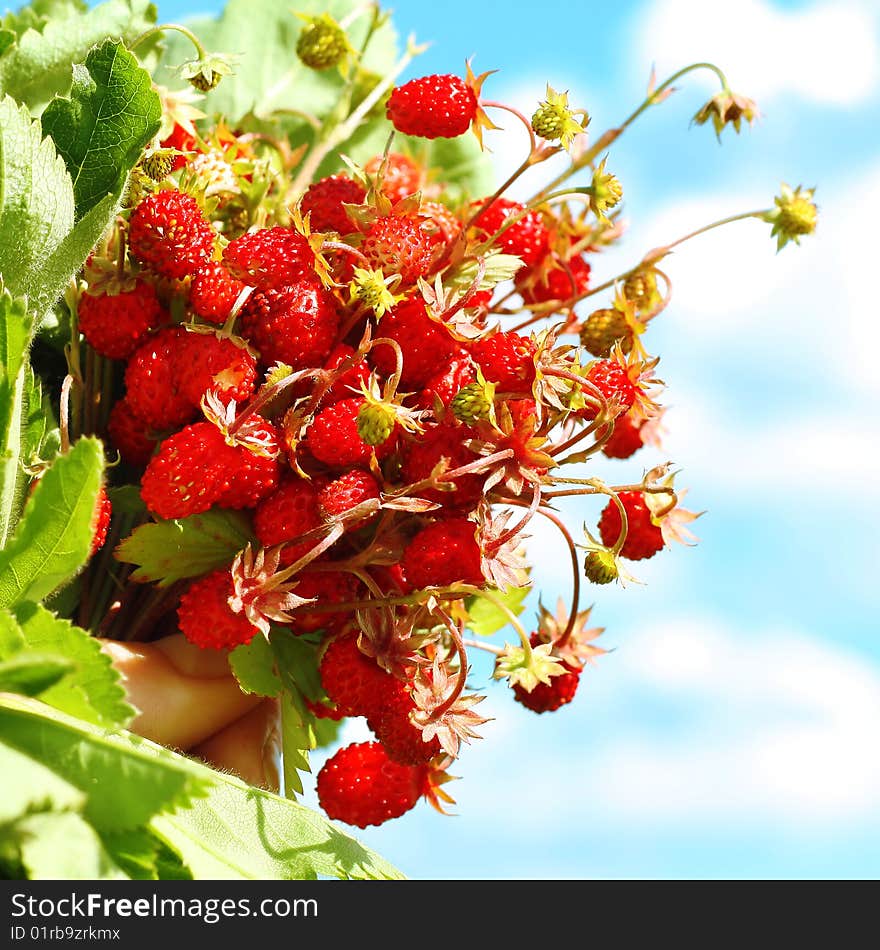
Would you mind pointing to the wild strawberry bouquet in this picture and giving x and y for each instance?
(327, 379)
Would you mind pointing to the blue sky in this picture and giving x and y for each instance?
(732, 732)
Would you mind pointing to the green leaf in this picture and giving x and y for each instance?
(126, 780)
(484, 618)
(93, 690)
(254, 667)
(32, 673)
(167, 551)
(64, 846)
(11, 637)
(36, 201)
(38, 66)
(53, 538)
(36, 15)
(326, 732)
(101, 130)
(297, 660)
(135, 852)
(16, 329)
(40, 436)
(297, 740)
(32, 786)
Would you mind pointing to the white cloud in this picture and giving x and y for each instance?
(826, 53)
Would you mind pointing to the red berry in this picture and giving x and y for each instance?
(100, 521)
(643, 538)
(506, 359)
(432, 107)
(354, 682)
(252, 476)
(394, 728)
(625, 440)
(325, 587)
(114, 324)
(213, 292)
(153, 383)
(547, 697)
(560, 282)
(425, 343)
(290, 511)
(324, 202)
(206, 363)
(183, 141)
(445, 383)
(611, 379)
(323, 710)
(361, 786)
(346, 492)
(424, 454)
(296, 326)
(441, 219)
(402, 176)
(169, 232)
(129, 435)
(207, 620)
(349, 383)
(528, 239)
(333, 436)
(399, 244)
(270, 259)
(444, 553)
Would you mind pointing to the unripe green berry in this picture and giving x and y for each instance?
(471, 403)
(159, 163)
(603, 329)
(322, 43)
(600, 567)
(375, 422)
(640, 289)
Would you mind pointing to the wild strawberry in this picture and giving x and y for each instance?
(349, 383)
(324, 710)
(611, 379)
(100, 521)
(362, 786)
(401, 175)
(252, 475)
(643, 538)
(506, 359)
(347, 491)
(444, 553)
(205, 617)
(352, 680)
(213, 292)
(153, 383)
(399, 244)
(528, 239)
(424, 342)
(445, 383)
(129, 435)
(115, 324)
(183, 141)
(270, 259)
(441, 219)
(394, 728)
(325, 587)
(286, 514)
(425, 453)
(562, 281)
(189, 472)
(325, 200)
(206, 363)
(295, 326)
(432, 107)
(603, 328)
(625, 440)
(334, 440)
(169, 232)
(547, 697)
(322, 43)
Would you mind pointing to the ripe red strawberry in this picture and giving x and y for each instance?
(333, 436)
(432, 107)
(441, 220)
(425, 343)
(290, 511)
(325, 587)
(252, 476)
(205, 617)
(213, 292)
(349, 383)
(189, 473)
(626, 439)
(528, 239)
(445, 383)
(324, 202)
(206, 363)
(643, 539)
(547, 697)
(444, 553)
(324, 710)
(559, 282)
(153, 384)
(183, 141)
(296, 326)
(115, 324)
(346, 492)
(353, 681)
(402, 176)
(506, 359)
(169, 232)
(129, 435)
(610, 378)
(100, 521)
(424, 454)
(399, 244)
(270, 259)
(361, 786)
(393, 727)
